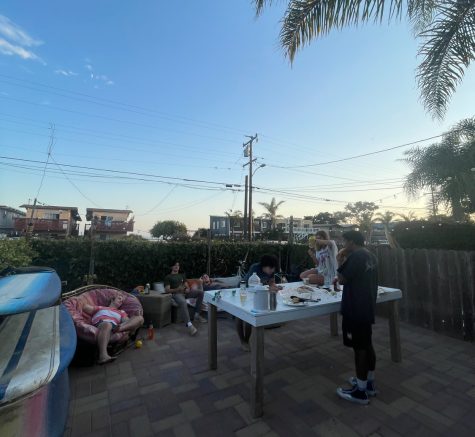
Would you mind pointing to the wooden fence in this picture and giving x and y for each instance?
(438, 287)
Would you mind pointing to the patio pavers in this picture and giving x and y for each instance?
(166, 389)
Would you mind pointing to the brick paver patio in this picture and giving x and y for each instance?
(165, 388)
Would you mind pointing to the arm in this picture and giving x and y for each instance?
(89, 309)
(311, 253)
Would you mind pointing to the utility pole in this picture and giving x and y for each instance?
(246, 184)
(30, 224)
(248, 153)
(434, 208)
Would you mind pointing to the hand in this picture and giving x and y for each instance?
(274, 288)
(341, 256)
(311, 252)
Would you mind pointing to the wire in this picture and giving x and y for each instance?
(74, 185)
(50, 147)
(369, 153)
(125, 172)
(159, 203)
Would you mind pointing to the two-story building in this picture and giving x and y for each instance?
(7, 220)
(49, 221)
(108, 224)
(222, 226)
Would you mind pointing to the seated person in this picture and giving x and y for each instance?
(211, 284)
(266, 270)
(175, 284)
(108, 320)
(323, 252)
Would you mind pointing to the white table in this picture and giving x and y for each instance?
(329, 304)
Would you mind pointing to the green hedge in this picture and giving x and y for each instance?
(428, 235)
(127, 263)
(15, 253)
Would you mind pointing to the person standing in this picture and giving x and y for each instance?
(175, 284)
(358, 272)
(324, 256)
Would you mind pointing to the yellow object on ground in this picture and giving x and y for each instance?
(138, 344)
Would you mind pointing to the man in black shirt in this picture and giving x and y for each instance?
(358, 272)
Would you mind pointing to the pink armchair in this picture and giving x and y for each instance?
(98, 295)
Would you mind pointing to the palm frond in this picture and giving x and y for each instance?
(305, 20)
(421, 13)
(261, 4)
(448, 49)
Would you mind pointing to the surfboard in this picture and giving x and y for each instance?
(21, 293)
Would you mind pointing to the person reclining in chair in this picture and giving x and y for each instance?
(108, 320)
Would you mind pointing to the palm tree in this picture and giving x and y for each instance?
(409, 217)
(271, 209)
(386, 219)
(445, 28)
(447, 169)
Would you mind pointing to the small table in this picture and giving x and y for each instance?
(329, 304)
(156, 308)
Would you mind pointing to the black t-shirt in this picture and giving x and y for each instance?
(360, 290)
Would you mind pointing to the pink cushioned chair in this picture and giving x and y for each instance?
(98, 295)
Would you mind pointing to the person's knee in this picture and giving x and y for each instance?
(105, 327)
(302, 275)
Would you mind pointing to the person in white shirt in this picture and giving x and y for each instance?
(324, 257)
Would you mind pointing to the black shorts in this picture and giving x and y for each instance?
(356, 335)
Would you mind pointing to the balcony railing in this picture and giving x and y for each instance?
(113, 227)
(43, 225)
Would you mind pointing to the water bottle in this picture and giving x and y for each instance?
(254, 280)
(147, 289)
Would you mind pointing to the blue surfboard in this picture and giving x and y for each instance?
(26, 292)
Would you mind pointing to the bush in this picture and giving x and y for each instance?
(15, 253)
(429, 235)
(127, 263)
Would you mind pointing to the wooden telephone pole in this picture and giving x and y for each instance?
(248, 153)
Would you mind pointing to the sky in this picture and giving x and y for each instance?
(168, 91)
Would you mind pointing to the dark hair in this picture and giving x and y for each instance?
(323, 234)
(355, 237)
(269, 261)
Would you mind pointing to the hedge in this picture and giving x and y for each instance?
(127, 263)
(15, 253)
(429, 235)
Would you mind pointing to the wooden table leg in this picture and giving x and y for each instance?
(394, 334)
(212, 337)
(334, 324)
(257, 372)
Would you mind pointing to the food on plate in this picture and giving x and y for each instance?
(304, 289)
(295, 299)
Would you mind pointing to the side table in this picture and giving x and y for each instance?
(156, 308)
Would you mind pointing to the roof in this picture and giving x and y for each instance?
(73, 209)
(108, 210)
(67, 208)
(8, 208)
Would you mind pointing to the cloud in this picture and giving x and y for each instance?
(65, 72)
(98, 77)
(14, 41)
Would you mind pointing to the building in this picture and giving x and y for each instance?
(108, 224)
(222, 226)
(49, 221)
(7, 220)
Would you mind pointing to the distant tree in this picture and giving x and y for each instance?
(341, 216)
(446, 168)
(200, 234)
(271, 209)
(323, 218)
(169, 230)
(361, 213)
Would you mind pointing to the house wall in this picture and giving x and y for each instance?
(116, 216)
(7, 220)
(48, 214)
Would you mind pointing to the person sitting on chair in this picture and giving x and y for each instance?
(108, 320)
(175, 284)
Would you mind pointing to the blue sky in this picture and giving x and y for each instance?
(154, 87)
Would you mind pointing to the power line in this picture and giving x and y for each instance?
(227, 184)
(366, 154)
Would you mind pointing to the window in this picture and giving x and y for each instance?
(50, 216)
(223, 223)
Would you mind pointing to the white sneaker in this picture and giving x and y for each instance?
(192, 330)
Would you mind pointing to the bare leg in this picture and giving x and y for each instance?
(132, 324)
(103, 338)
